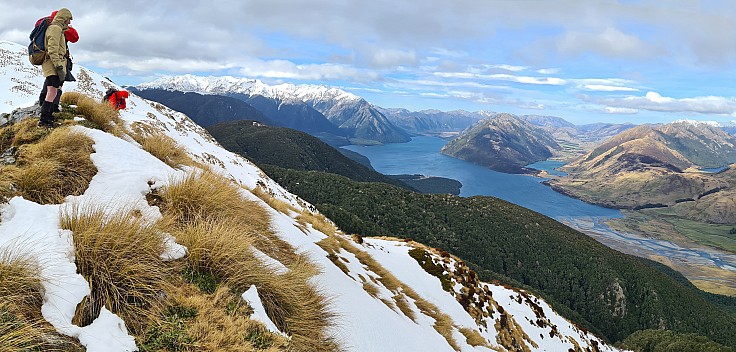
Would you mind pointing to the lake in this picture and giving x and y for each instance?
(421, 156)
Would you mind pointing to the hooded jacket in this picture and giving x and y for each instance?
(117, 99)
(56, 52)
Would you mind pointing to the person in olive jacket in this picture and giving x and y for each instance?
(54, 65)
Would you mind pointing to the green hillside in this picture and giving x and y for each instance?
(616, 294)
(290, 149)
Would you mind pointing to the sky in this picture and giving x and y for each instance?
(583, 60)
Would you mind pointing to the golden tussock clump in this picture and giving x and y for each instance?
(164, 148)
(208, 214)
(56, 166)
(278, 204)
(23, 132)
(22, 327)
(119, 255)
(99, 113)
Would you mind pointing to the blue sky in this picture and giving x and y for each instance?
(583, 60)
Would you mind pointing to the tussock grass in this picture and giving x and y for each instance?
(23, 132)
(219, 247)
(119, 255)
(272, 201)
(17, 334)
(204, 196)
(22, 327)
(209, 322)
(219, 227)
(99, 113)
(164, 148)
(20, 285)
(473, 337)
(318, 221)
(404, 307)
(57, 166)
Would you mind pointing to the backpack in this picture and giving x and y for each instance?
(108, 94)
(37, 48)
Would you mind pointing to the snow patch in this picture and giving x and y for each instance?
(259, 312)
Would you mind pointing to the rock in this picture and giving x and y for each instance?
(8, 156)
(20, 114)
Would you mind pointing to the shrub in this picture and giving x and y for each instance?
(119, 255)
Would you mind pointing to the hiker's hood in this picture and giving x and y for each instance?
(61, 17)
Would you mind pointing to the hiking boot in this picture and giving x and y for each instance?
(47, 119)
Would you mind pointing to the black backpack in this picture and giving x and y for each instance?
(110, 91)
(37, 48)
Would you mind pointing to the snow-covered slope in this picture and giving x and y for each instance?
(400, 312)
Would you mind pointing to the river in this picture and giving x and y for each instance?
(421, 156)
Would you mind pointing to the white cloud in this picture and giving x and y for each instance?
(392, 57)
(654, 101)
(290, 70)
(548, 71)
(623, 111)
(504, 77)
(611, 42)
(604, 88)
(510, 67)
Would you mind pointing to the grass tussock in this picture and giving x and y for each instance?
(22, 327)
(219, 227)
(23, 132)
(224, 250)
(119, 255)
(56, 166)
(100, 114)
(164, 148)
(219, 321)
(318, 221)
(473, 337)
(278, 204)
(403, 304)
(203, 196)
(20, 285)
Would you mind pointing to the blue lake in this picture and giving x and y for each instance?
(422, 156)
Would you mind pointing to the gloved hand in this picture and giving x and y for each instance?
(61, 72)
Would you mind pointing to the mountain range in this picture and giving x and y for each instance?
(308, 108)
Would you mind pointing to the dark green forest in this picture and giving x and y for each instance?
(614, 293)
(668, 341)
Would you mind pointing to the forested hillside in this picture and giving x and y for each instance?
(617, 294)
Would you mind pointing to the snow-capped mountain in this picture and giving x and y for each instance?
(354, 116)
(348, 111)
(383, 298)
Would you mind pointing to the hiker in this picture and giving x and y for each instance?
(55, 63)
(116, 98)
(71, 36)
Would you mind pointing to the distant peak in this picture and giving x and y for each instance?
(697, 123)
